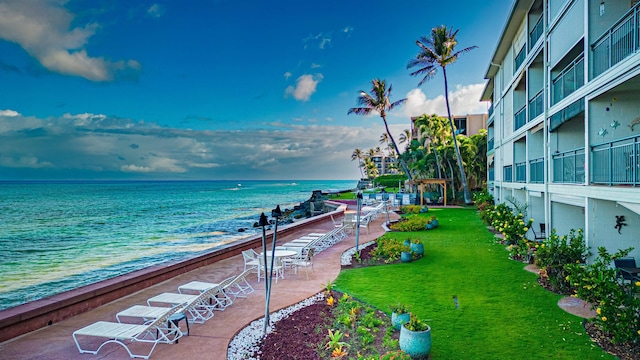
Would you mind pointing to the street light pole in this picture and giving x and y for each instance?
(263, 223)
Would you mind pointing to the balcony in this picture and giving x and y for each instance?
(570, 79)
(520, 118)
(568, 167)
(490, 110)
(536, 33)
(536, 105)
(507, 173)
(616, 162)
(490, 144)
(521, 172)
(519, 59)
(620, 41)
(536, 170)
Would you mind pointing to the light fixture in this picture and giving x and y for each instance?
(601, 8)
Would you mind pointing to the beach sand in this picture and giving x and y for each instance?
(209, 340)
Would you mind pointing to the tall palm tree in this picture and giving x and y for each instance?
(405, 136)
(437, 50)
(378, 101)
(357, 154)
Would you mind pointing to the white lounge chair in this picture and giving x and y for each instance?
(238, 286)
(305, 260)
(251, 261)
(201, 308)
(125, 335)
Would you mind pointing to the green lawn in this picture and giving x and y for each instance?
(504, 313)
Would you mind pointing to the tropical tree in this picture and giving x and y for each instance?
(437, 50)
(357, 154)
(378, 100)
(405, 136)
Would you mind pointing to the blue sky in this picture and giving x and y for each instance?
(115, 89)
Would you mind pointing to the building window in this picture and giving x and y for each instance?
(461, 125)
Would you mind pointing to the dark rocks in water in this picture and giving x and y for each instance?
(241, 230)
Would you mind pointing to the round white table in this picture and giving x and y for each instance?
(280, 253)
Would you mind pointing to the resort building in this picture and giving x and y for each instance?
(564, 122)
(468, 125)
(385, 164)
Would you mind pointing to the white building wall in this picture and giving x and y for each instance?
(602, 221)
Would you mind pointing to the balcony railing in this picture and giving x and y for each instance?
(521, 171)
(490, 110)
(507, 173)
(568, 167)
(536, 33)
(616, 162)
(620, 41)
(536, 105)
(536, 170)
(520, 118)
(490, 174)
(569, 80)
(490, 144)
(519, 59)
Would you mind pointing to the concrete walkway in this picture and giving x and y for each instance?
(209, 340)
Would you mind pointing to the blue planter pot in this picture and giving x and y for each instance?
(407, 242)
(415, 343)
(397, 320)
(405, 256)
(418, 249)
(434, 223)
(429, 226)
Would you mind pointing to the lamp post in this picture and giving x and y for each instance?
(263, 223)
(358, 207)
(276, 214)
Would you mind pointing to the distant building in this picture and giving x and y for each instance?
(564, 124)
(468, 125)
(385, 164)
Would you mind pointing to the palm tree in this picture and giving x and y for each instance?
(378, 101)
(438, 51)
(357, 154)
(405, 136)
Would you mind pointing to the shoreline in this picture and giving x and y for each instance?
(45, 312)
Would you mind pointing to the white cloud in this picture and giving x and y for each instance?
(287, 75)
(315, 66)
(155, 10)
(305, 87)
(95, 146)
(347, 29)
(9, 113)
(320, 40)
(43, 29)
(463, 100)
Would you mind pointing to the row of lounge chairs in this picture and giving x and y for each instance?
(194, 302)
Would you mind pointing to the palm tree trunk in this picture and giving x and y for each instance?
(463, 177)
(453, 180)
(404, 166)
(438, 165)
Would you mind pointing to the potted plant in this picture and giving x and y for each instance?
(405, 255)
(417, 247)
(399, 314)
(429, 225)
(415, 338)
(434, 221)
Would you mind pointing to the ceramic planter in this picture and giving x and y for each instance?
(405, 256)
(397, 320)
(415, 343)
(418, 248)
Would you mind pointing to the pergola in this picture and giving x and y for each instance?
(422, 182)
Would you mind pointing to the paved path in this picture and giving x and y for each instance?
(206, 341)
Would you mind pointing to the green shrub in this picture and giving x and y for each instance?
(410, 223)
(411, 209)
(556, 252)
(617, 306)
(387, 249)
(389, 180)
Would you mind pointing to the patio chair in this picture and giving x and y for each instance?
(125, 335)
(625, 263)
(278, 269)
(238, 286)
(305, 260)
(336, 224)
(541, 235)
(251, 261)
(201, 306)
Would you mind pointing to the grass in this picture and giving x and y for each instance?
(504, 313)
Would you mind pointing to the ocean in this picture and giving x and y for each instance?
(58, 236)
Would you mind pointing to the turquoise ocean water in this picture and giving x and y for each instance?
(57, 236)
